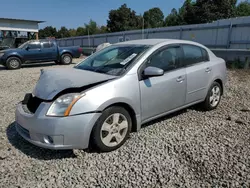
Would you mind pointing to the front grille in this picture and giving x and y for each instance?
(31, 102)
(23, 131)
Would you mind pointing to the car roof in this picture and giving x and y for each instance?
(153, 42)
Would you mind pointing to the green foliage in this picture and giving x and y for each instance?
(212, 10)
(153, 18)
(243, 9)
(63, 32)
(173, 18)
(80, 31)
(48, 31)
(122, 19)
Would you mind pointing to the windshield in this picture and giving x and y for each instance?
(24, 45)
(112, 60)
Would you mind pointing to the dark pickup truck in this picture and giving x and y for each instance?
(38, 51)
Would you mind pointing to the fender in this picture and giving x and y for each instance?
(14, 54)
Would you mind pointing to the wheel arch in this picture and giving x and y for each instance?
(15, 55)
(131, 112)
(219, 81)
(66, 52)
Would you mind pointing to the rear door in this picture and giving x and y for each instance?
(49, 51)
(164, 93)
(198, 71)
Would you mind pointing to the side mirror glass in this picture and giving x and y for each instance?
(152, 72)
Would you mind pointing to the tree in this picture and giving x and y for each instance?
(153, 18)
(122, 19)
(208, 11)
(63, 32)
(188, 13)
(91, 28)
(243, 9)
(80, 31)
(103, 29)
(48, 31)
(173, 18)
(72, 32)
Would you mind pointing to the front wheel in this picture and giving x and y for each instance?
(213, 97)
(66, 59)
(111, 129)
(13, 63)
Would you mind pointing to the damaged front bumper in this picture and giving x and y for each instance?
(71, 132)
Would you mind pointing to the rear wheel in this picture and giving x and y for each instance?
(111, 129)
(13, 63)
(66, 59)
(213, 97)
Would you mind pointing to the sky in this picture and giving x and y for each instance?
(74, 13)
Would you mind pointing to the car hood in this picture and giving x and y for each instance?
(10, 50)
(54, 81)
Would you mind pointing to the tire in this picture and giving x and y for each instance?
(66, 59)
(213, 97)
(13, 63)
(108, 135)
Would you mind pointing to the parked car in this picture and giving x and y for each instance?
(116, 90)
(38, 51)
(101, 46)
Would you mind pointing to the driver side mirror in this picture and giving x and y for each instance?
(152, 72)
(27, 48)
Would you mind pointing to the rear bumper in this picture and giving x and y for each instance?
(72, 132)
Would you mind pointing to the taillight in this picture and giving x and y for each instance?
(80, 50)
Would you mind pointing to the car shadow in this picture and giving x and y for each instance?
(169, 116)
(33, 151)
(34, 65)
(2, 68)
(196, 107)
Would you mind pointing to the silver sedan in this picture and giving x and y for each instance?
(116, 90)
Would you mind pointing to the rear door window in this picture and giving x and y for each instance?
(205, 54)
(35, 45)
(192, 55)
(48, 44)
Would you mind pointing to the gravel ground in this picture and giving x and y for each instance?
(190, 148)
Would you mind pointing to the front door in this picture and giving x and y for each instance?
(34, 52)
(164, 93)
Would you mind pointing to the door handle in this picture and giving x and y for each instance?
(180, 79)
(208, 70)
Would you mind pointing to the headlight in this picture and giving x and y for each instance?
(1, 54)
(63, 105)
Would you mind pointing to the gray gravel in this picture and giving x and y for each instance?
(190, 148)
